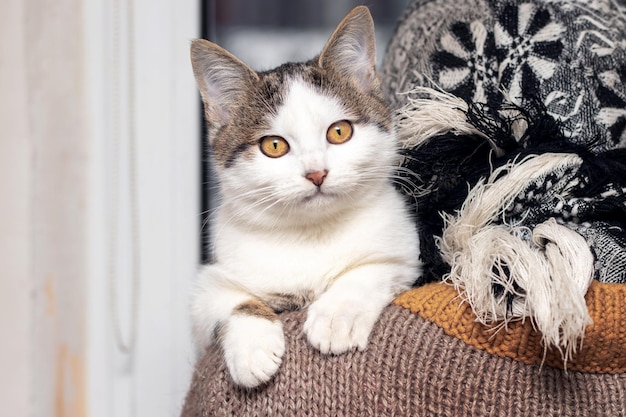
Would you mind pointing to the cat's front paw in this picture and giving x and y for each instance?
(337, 326)
(253, 349)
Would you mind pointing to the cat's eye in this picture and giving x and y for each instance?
(339, 132)
(274, 146)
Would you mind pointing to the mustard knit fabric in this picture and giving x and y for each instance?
(603, 348)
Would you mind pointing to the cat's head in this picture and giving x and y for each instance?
(304, 141)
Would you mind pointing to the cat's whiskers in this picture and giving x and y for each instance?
(373, 174)
(403, 181)
(208, 217)
(394, 173)
(205, 223)
(275, 218)
(243, 210)
(412, 181)
(251, 205)
(267, 194)
(408, 182)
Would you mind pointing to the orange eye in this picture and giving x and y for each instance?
(339, 132)
(274, 146)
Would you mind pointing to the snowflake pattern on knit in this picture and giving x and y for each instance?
(528, 44)
(529, 52)
(466, 62)
(522, 51)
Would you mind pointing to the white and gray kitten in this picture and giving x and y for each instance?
(308, 213)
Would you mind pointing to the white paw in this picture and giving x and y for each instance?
(253, 349)
(337, 326)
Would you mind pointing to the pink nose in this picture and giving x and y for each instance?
(317, 177)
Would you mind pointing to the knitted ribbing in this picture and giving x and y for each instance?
(410, 368)
(603, 348)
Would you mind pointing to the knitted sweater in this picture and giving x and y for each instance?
(427, 356)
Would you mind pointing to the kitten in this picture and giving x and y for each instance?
(308, 214)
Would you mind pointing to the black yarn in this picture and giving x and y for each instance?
(449, 165)
(446, 166)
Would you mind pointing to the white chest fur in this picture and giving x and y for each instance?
(308, 260)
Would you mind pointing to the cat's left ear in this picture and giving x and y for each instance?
(351, 49)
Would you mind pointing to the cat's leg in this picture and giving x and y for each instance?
(253, 343)
(343, 317)
(249, 332)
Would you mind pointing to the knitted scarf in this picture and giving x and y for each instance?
(512, 116)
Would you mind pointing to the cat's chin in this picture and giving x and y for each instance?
(322, 200)
(333, 199)
(322, 206)
(317, 196)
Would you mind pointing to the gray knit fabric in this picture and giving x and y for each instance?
(411, 368)
(555, 60)
(569, 54)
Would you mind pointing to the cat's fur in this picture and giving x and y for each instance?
(321, 226)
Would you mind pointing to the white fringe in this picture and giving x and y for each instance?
(430, 113)
(561, 311)
(547, 271)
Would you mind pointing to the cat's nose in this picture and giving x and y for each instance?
(317, 177)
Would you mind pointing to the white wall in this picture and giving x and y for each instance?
(15, 215)
(44, 191)
(58, 355)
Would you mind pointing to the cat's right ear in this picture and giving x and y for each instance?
(221, 79)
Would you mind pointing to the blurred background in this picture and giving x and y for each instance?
(105, 188)
(267, 33)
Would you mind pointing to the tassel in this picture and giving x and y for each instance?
(561, 311)
(430, 113)
(509, 272)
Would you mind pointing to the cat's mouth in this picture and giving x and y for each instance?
(318, 195)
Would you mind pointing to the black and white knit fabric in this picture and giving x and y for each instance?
(512, 115)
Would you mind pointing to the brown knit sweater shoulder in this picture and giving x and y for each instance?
(428, 357)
